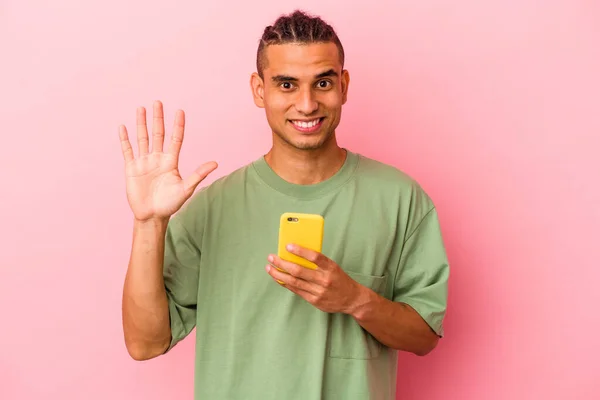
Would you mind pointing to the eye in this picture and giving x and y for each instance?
(324, 84)
(286, 85)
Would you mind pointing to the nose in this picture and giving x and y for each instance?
(306, 102)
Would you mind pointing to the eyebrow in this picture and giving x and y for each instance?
(286, 78)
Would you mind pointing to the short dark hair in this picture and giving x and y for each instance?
(297, 27)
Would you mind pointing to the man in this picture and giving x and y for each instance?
(329, 333)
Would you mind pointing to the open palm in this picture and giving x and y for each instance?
(155, 189)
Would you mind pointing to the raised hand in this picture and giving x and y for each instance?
(155, 189)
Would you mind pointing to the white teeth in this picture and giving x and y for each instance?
(305, 125)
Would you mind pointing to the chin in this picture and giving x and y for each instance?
(308, 146)
(312, 143)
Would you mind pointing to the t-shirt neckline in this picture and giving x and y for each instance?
(270, 177)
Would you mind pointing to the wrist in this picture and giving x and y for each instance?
(362, 302)
(151, 223)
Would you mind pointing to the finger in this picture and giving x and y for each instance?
(291, 282)
(125, 145)
(313, 256)
(294, 269)
(142, 131)
(311, 298)
(158, 128)
(192, 181)
(177, 136)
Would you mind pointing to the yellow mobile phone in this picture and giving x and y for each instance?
(305, 230)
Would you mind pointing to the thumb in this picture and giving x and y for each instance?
(192, 181)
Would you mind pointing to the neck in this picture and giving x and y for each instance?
(306, 167)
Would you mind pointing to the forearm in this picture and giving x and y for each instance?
(396, 325)
(146, 323)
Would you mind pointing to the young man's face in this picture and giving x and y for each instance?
(303, 91)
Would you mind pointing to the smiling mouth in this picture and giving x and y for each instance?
(307, 126)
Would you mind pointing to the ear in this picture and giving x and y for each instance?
(258, 90)
(345, 84)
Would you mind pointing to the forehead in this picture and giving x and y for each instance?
(301, 60)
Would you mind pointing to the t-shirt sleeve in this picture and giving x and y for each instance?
(180, 273)
(422, 277)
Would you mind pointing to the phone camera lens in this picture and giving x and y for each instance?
(290, 219)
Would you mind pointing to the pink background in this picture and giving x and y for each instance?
(494, 106)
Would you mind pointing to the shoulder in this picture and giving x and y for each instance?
(205, 196)
(380, 174)
(372, 168)
(231, 182)
(394, 185)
